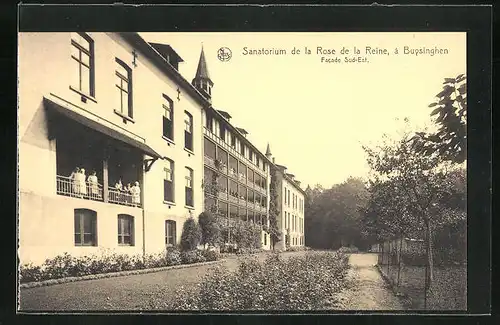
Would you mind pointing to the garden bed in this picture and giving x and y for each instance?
(310, 281)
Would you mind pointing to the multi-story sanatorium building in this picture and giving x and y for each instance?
(116, 107)
(290, 206)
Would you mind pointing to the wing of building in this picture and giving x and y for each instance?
(116, 148)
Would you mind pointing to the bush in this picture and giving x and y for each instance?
(348, 249)
(194, 256)
(191, 235)
(173, 257)
(211, 255)
(210, 230)
(30, 273)
(307, 282)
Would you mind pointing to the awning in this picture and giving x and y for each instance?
(66, 109)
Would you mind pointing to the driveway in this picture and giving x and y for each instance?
(366, 289)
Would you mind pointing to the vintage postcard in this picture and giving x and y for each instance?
(231, 171)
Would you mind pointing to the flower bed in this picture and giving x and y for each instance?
(308, 282)
(65, 265)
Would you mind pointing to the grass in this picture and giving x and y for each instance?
(449, 288)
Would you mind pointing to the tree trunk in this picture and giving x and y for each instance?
(399, 259)
(430, 253)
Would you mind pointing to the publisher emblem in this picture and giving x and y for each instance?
(224, 54)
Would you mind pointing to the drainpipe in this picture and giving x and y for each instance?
(143, 210)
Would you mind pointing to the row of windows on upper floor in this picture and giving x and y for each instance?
(85, 229)
(83, 57)
(294, 222)
(294, 240)
(295, 201)
(220, 130)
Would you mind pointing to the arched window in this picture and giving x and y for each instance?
(170, 233)
(168, 118)
(188, 131)
(124, 89)
(125, 230)
(85, 227)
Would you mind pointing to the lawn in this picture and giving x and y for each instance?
(132, 292)
(449, 289)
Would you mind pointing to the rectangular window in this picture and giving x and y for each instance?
(233, 141)
(188, 131)
(222, 131)
(82, 53)
(242, 150)
(189, 187)
(250, 155)
(85, 227)
(168, 118)
(124, 88)
(210, 124)
(168, 182)
(125, 230)
(288, 199)
(170, 233)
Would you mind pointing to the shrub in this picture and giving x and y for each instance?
(190, 257)
(191, 235)
(173, 257)
(348, 249)
(301, 283)
(29, 273)
(210, 230)
(211, 255)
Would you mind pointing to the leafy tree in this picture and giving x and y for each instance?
(419, 181)
(333, 217)
(191, 235)
(210, 231)
(450, 140)
(274, 232)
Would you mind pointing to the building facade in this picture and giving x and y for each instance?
(236, 174)
(290, 205)
(107, 103)
(117, 149)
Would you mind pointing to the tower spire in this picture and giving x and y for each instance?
(202, 80)
(268, 151)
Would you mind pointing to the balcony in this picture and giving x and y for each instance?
(230, 149)
(69, 187)
(242, 178)
(233, 199)
(209, 161)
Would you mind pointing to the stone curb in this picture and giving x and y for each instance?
(111, 275)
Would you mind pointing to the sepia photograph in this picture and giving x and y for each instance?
(225, 171)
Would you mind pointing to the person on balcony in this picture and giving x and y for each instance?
(119, 189)
(136, 193)
(73, 180)
(93, 185)
(128, 191)
(82, 185)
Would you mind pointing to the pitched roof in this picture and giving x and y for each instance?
(202, 71)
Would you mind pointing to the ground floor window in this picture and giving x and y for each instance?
(85, 227)
(170, 231)
(125, 230)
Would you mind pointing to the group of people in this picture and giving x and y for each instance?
(80, 187)
(83, 186)
(132, 192)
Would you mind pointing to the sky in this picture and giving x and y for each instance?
(316, 114)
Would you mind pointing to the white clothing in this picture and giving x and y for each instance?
(93, 185)
(136, 194)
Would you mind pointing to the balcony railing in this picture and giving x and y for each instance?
(209, 162)
(94, 191)
(233, 199)
(122, 197)
(228, 148)
(222, 195)
(69, 187)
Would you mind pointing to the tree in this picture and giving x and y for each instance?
(421, 180)
(450, 140)
(210, 231)
(333, 217)
(274, 232)
(191, 235)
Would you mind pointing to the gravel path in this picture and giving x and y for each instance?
(366, 289)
